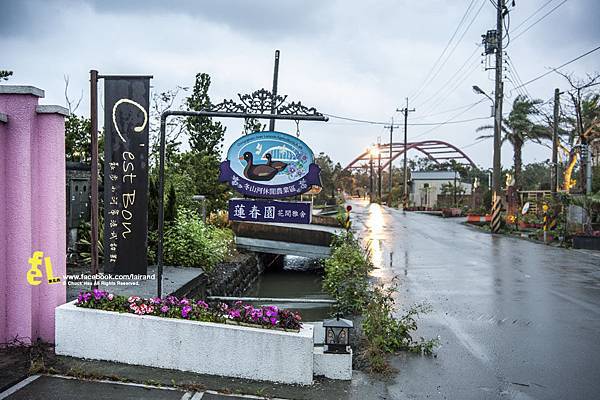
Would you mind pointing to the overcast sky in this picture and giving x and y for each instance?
(357, 59)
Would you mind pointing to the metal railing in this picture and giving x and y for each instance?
(272, 300)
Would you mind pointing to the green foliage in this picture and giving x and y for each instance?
(329, 176)
(346, 274)
(205, 136)
(191, 243)
(77, 139)
(85, 242)
(386, 334)
(4, 74)
(518, 129)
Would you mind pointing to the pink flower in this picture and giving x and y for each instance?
(110, 296)
(185, 311)
(133, 299)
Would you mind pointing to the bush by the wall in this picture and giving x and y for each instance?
(189, 242)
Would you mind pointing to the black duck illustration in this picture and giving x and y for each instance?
(278, 165)
(257, 172)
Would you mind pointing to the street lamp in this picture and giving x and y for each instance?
(497, 173)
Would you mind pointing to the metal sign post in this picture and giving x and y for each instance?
(257, 105)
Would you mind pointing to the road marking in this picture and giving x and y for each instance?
(192, 396)
(18, 386)
(243, 396)
(143, 385)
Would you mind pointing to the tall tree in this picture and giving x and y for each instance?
(518, 129)
(205, 136)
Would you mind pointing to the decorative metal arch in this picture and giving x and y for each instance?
(435, 150)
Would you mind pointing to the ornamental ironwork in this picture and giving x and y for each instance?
(263, 101)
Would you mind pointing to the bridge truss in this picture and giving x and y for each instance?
(435, 150)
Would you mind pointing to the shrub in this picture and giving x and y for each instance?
(189, 242)
(385, 333)
(346, 274)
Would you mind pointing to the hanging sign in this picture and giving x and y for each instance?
(270, 165)
(126, 174)
(298, 212)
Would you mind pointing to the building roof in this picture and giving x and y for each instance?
(434, 175)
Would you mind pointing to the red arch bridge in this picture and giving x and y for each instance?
(436, 150)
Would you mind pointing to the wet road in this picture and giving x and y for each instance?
(516, 319)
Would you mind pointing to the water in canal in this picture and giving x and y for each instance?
(300, 278)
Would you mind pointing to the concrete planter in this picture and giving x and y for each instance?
(201, 347)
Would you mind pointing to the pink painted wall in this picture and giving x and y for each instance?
(32, 212)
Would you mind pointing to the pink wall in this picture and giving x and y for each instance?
(32, 211)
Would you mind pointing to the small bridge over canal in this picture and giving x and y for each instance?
(305, 240)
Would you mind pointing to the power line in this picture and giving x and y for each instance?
(444, 112)
(559, 67)
(532, 15)
(455, 46)
(451, 79)
(416, 93)
(448, 90)
(540, 19)
(450, 121)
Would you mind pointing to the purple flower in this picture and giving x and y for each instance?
(185, 311)
(164, 309)
(87, 297)
(273, 320)
(172, 300)
(233, 313)
(184, 302)
(98, 294)
(154, 300)
(202, 304)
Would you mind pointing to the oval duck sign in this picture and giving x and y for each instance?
(270, 165)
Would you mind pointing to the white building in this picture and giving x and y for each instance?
(425, 186)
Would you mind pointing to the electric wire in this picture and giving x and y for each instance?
(539, 20)
(452, 52)
(426, 81)
(587, 53)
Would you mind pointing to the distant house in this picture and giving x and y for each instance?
(426, 186)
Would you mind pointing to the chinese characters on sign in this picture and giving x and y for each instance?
(270, 211)
(270, 165)
(126, 174)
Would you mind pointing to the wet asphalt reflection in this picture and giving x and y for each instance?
(516, 319)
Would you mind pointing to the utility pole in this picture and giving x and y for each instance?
(405, 111)
(554, 180)
(391, 128)
(379, 172)
(275, 80)
(497, 174)
(371, 175)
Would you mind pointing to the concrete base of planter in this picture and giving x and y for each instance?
(332, 366)
(201, 347)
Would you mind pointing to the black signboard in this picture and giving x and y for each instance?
(126, 103)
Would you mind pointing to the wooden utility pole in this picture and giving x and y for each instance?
(554, 180)
(405, 111)
(497, 174)
(391, 128)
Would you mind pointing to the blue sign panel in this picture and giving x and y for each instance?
(270, 211)
(271, 165)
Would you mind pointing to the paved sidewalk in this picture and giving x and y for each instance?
(48, 387)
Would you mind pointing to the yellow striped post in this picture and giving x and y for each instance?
(496, 221)
(545, 208)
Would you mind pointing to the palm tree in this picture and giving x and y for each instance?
(518, 128)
